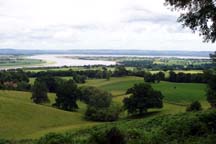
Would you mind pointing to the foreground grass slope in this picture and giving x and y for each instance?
(183, 128)
(20, 118)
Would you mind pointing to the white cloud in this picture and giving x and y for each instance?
(98, 24)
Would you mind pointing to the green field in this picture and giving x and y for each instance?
(182, 93)
(9, 61)
(20, 118)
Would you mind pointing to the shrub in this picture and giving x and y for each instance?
(194, 106)
(22, 86)
(53, 138)
(95, 97)
(100, 106)
(4, 141)
(110, 113)
(79, 78)
(113, 136)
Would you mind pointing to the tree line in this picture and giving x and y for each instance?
(149, 64)
(14, 80)
(19, 80)
(119, 71)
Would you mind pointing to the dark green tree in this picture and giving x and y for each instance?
(211, 87)
(172, 76)
(143, 97)
(50, 82)
(23, 86)
(110, 113)
(100, 99)
(67, 95)
(198, 15)
(95, 97)
(100, 106)
(148, 77)
(79, 78)
(194, 106)
(107, 74)
(120, 71)
(88, 92)
(161, 76)
(213, 57)
(39, 92)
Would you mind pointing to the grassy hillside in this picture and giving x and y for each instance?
(183, 128)
(181, 93)
(117, 86)
(20, 118)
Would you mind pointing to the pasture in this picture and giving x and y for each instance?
(20, 118)
(9, 61)
(182, 93)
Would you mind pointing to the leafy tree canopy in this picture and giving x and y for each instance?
(213, 57)
(39, 92)
(67, 94)
(211, 87)
(143, 97)
(198, 15)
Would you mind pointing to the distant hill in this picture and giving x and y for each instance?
(107, 52)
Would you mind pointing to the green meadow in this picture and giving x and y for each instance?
(20, 118)
(181, 93)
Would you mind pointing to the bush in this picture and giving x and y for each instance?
(194, 106)
(53, 138)
(22, 86)
(79, 78)
(110, 113)
(95, 97)
(113, 136)
(4, 141)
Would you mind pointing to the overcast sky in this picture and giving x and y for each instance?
(94, 24)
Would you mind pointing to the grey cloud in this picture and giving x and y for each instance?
(4, 36)
(45, 33)
(157, 19)
(176, 29)
(85, 27)
(32, 35)
(140, 9)
(140, 30)
(82, 27)
(139, 14)
(12, 17)
(41, 37)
